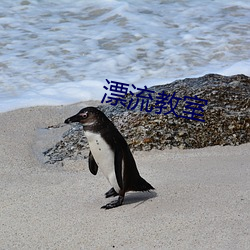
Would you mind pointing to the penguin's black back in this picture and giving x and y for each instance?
(131, 181)
(131, 178)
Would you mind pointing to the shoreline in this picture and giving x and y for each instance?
(201, 197)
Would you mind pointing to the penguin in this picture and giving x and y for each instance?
(110, 152)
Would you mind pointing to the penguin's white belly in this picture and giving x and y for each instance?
(104, 157)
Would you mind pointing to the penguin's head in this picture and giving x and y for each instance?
(88, 117)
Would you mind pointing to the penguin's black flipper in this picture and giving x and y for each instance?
(118, 166)
(93, 167)
(111, 193)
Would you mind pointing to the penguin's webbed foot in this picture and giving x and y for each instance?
(111, 193)
(113, 204)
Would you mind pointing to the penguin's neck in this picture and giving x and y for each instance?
(93, 128)
(91, 135)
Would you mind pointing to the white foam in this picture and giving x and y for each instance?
(242, 67)
(61, 52)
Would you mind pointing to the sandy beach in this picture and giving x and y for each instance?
(201, 198)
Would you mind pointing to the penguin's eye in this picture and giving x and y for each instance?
(84, 115)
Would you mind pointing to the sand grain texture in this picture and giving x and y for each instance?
(202, 198)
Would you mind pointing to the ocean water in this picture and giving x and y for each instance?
(61, 52)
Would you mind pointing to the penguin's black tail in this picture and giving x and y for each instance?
(141, 185)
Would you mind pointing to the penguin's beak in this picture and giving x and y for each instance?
(74, 118)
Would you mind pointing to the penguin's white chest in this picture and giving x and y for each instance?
(104, 157)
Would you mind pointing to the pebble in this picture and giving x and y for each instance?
(226, 115)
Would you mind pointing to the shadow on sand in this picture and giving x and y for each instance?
(138, 198)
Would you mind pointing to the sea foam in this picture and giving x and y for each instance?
(55, 53)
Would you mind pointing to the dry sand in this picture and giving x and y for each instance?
(201, 201)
